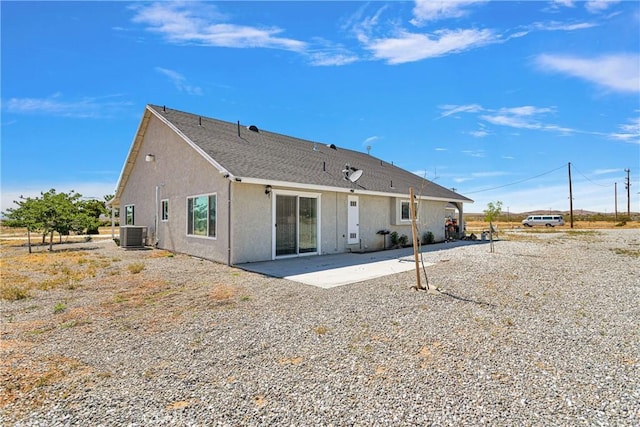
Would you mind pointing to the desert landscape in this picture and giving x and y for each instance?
(541, 332)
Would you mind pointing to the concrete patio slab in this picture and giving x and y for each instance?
(328, 271)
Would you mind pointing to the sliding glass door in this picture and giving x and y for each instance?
(296, 225)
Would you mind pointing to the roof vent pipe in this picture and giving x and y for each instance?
(238, 127)
(324, 166)
(164, 108)
(199, 121)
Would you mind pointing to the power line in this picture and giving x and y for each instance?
(594, 183)
(516, 182)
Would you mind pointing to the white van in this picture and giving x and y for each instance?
(546, 220)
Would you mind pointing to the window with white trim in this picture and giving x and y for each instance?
(128, 215)
(405, 215)
(201, 215)
(164, 210)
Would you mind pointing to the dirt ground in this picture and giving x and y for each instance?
(82, 287)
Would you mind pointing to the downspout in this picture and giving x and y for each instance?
(229, 224)
(155, 219)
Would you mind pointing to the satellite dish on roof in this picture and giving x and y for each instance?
(353, 177)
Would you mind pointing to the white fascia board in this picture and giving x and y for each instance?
(273, 183)
(193, 145)
(133, 153)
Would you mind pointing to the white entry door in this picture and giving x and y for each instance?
(353, 220)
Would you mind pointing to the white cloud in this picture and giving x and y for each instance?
(597, 6)
(566, 3)
(606, 171)
(524, 117)
(450, 110)
(479, 133)
(327, 53)
(370, 140)
(562, 26)
(430, 10)
(179, 81)
(474, 153)
(201, 23)
(55, 105)
(526, 110)
(619, 72)
(629, 132)
(511, 121)
(411, 47)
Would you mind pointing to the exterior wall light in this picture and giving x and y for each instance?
(267, 189)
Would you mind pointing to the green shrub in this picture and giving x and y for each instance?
(428, 238)
(59, 308)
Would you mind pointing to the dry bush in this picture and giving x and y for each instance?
(22, 272)
(136, 267)
(222, 293)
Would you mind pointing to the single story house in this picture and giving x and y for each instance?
(234, 193)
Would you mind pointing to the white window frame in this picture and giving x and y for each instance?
(215, 231)
(126, 215)
(402, 202)
(164, 210)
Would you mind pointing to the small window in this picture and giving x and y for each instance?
(353, 203)
(164, 210)
(405, 214)
(128, 215)
(201, 216)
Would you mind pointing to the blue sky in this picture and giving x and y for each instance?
(493, 99)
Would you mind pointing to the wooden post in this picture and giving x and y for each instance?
(414, 231)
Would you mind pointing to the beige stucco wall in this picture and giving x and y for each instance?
(178, 172)
(251, 223)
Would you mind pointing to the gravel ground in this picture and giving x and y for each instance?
(542, 332)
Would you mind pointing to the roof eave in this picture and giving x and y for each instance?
(316, 187)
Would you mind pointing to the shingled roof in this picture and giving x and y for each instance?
(263, 157)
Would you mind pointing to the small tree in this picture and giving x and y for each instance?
(90, 211)
(28, 214)
(53, 212)
(491, 214)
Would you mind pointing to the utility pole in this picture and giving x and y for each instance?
(627, 185)
(615, 187)
(570, 197)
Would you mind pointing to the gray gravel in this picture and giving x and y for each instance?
(543, 333)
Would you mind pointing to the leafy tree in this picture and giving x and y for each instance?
(93, 209)
(28, 214)
(491, 214)
(54, 212)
